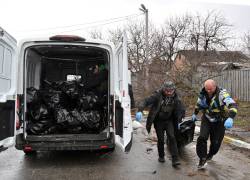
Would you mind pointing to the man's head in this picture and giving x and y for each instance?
(210, 87)
(94, 69)
(168, 88)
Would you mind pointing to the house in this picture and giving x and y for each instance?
(193, 67)
(216, 59)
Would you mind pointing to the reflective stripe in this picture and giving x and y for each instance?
(198, 101)
(234, 110)
(212, 101)
(215, 110)
(225, 95)
(210, 118)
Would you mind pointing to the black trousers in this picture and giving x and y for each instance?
(216, 131)
(160, 128)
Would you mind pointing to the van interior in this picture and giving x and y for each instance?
(66, 89)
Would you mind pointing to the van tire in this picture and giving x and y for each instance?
(29, 153)
(109, 150)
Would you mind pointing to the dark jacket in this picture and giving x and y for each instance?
(155, 101)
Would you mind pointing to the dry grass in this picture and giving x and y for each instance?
(243, 117)
(189, 102)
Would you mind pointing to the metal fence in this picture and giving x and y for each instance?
(237, 82)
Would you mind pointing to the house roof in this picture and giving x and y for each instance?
(196, 57)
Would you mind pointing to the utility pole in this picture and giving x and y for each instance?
(248, 44)
(145, 11)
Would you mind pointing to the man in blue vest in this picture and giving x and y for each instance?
(219, 110)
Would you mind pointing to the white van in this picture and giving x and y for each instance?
(38, 70)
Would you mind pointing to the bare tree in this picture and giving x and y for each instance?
(170, 39)
(115, 35)
(246, 43)
(96, 34)
(136, 44)
(208, 32)
(195, 32)
(136, 51)
(216, 31)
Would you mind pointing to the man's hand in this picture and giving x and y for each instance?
(194, 118)
(179, 126)
(228, 123)
(138, 116)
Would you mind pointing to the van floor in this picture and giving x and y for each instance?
(67, 137)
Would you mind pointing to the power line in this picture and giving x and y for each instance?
(83, 24)
(98, 24)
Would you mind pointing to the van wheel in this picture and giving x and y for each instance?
(111, 149)
(29, 153)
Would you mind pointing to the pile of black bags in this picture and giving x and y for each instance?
(65, 107)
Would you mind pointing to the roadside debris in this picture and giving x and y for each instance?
(192, 174)
(154, 172)
(149, 150)
(136, 125)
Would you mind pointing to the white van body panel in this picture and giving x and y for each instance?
(8, 65)
(121, 91)
(8, 74)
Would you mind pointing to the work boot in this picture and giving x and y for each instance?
(175, 162)
(202, 163)
(209, 157)
(161, 159)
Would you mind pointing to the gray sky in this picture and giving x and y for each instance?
(43, 17)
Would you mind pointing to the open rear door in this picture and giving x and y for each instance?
(8, 63)
(123, 121)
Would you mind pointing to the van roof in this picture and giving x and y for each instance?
(3, 32)
(88, 40)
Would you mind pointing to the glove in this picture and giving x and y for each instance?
(179, 126)
(194, 118)
(228, 123)
(148, 128)
(138, 116)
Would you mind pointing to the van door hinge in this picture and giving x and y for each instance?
(1, 33)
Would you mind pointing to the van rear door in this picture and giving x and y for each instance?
(8, 63)
(123, 122)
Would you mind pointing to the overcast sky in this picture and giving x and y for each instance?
(23, 18)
